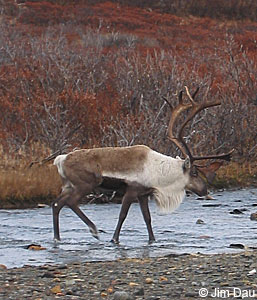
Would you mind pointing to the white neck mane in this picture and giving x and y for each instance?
(168, 199)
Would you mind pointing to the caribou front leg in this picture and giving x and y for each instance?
(126, 203)
(143, 202)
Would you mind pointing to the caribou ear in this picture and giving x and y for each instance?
(210, 171)
(187, 164)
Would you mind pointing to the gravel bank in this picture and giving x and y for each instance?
(172, 277)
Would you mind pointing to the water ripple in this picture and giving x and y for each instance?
(176, 233)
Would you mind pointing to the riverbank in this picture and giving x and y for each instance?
(171, 277)
(23, 187)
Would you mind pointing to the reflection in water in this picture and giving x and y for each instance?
(175, 233)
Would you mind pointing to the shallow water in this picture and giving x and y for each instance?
(175, 233)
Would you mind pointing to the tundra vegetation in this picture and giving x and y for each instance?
(94, 74)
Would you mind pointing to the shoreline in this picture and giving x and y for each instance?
(37, 202)
(175, 276)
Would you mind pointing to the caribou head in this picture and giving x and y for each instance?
(196, 172)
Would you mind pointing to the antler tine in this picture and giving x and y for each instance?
(195, 108)
(168, 102)
(196, 91)
(175, 112)
(180, 97)
(189, 96)
(224, 156)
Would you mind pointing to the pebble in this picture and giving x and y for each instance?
(140, 292)
(253, 216)
(237, 246)
(3, 266)
(199, 221)
(211, 205)
(148, 280)
(252, 272)
(236, 212)
(209, 197)
(165, 278)
(121, 295)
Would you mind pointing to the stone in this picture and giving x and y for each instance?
(148, 280)
(199, 221)
(236, 212)
(204, 237)
(110, 290)
(35, 247)
(252, 272)
(132, 284)
(163, 278)
(56, 289)
(253, 216)
(3, 267)
(62, 267)
(139, 292)
(209, 197)
(48, 275)
(121, 295)
(237, 246)
(70, 282)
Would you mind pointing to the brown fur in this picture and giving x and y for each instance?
(109, 159)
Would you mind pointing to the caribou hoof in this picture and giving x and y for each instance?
(151, 242)
(114, 241)
(56, 242)
(94, 233)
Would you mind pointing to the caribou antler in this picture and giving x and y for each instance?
(194, 108)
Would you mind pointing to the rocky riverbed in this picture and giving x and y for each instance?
(181, 276)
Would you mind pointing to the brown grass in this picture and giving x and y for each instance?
(29, 183)
(23, 186)
(237, 174)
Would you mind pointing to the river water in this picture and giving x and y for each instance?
(175, 233)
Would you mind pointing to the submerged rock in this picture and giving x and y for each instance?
(237, 246)
(253, 216)
(199, 221)
(236, 212)
(35, 247)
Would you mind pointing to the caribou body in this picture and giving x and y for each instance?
(140, 170)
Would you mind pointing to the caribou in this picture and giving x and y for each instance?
(139, 170)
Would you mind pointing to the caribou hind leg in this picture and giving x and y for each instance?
(71, 196)
(57, 205)
(86, 220)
